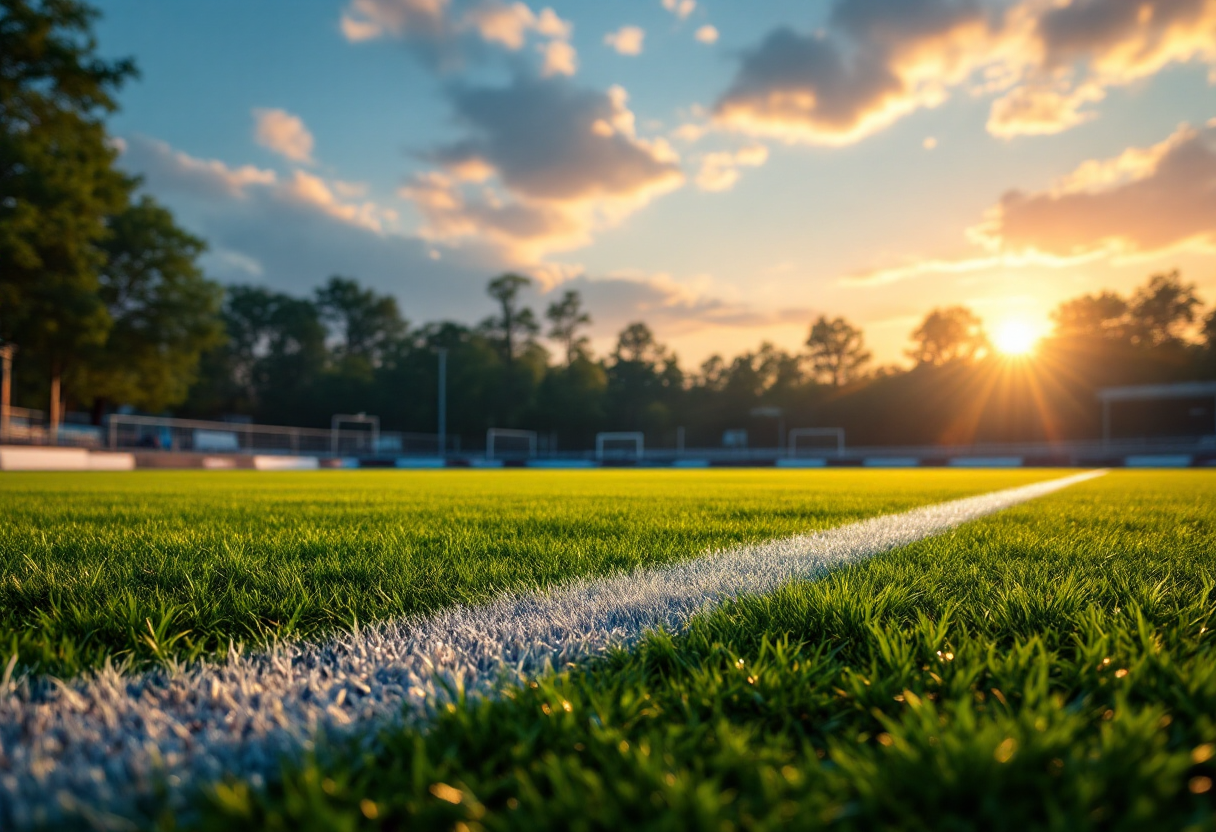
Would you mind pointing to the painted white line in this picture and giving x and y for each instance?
(97, 744)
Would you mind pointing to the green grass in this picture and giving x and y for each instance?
(146, 566)
(1051, 667)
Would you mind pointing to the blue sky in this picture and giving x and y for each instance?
(724, 170)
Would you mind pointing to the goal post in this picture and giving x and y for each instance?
(513, 440)
(835, 436)
(336, 433)
(607, 445)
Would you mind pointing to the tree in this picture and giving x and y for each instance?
(369, 324)
(58, 181)
(637, 344)
(276, 349)
(514, 325)
(566, 318)
(1162, 309)
(1092, 316)
(164, 313)
(946, 335)
(838, 350)
(644, 380)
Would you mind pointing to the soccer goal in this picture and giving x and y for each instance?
(506, 443)
(358, 440)
(619, 445)
(816, 440)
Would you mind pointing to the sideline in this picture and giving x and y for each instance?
(92, 747)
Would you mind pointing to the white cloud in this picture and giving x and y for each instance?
(284, 133)
(627, 40)
(680, 8)
(560, 58)
(707, 34)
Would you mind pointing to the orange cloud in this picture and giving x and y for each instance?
(438, 33)
(1145, 200)
(1143, 203)
(878, 60)
(627, 40)
(172, 169)
(284, 133)
(680, 8)
(720, 171)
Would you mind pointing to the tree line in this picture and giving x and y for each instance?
(290, 359)
(103, 295)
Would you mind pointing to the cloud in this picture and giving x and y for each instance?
(173, 171)
(707, 34)
(368, 19)
(1145, 200)
(502, 23)
(878, 60)
(559, 58)
(627, 40)
(680, 8)
(1042, 109)
(290, 235)
(673, 307)
(543, 164)
(1143, 203)
(284, 133)
(720, 171)
(966, 265)
(445, 34)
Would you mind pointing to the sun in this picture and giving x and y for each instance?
(1015, 337)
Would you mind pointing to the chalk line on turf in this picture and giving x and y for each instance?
(102, 745)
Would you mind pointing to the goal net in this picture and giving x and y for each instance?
(619, 446)
(816, 441)
(506, 443)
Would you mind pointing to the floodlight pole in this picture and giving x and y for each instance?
(6, 386)
(443, 402)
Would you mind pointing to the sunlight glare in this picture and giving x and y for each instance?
(1015, 337)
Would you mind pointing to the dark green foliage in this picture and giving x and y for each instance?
(164, 312)
(1050, 668)
(57, 178)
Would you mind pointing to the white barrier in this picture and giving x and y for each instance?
(286, 463)
(100, 461)
(17, 458)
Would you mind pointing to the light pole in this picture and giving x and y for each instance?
(443, 402)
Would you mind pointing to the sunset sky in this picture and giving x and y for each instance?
(724, 170)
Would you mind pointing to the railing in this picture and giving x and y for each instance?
(202, 436)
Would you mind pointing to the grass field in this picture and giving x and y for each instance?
(1048, 667)
(1051, 667)
(146, 567)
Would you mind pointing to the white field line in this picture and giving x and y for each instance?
(99, 744)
